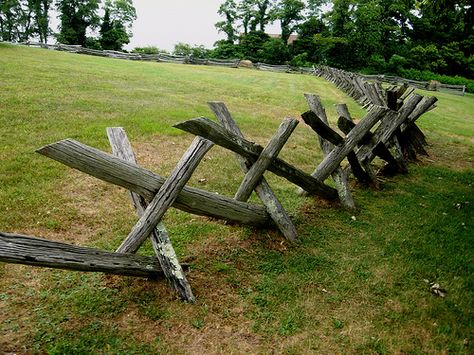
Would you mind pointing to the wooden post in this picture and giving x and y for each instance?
(263, 189)
(166, 195)
(210, 130)
(269, 153)
(339, 175)
(146, 183)
(159, 238)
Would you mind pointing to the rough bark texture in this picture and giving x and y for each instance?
(208, 129)
(263, 189)
(159, 238)
(165, 197)
(146, 183)
(21, 249)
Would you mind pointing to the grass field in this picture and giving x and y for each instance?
(349, 286)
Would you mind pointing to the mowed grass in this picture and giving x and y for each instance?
(348, 286)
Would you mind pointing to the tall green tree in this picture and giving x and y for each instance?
(264, 14)
(40, 10)
(76, 17)
(115, 30)
(16, 20)
(246, 13)
(314, 7)
(228, 10)
(290, 14)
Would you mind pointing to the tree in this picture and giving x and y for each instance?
(313, 7)
(228, 10)
(122, 11)
(246, 14)
(76, 16)
(40, 10)
(274, 51)
(224, 49)
(115, 30)
(305, 43)
(251, 45)
(191, 51)
(289, 13)
(264, 14)
(16, 20)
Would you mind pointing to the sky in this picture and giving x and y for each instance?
(163, 23)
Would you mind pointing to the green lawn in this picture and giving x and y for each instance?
(349, 286)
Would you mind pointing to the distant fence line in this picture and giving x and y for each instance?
(424, 85)
(235, 63)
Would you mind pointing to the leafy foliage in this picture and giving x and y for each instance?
(76, 17)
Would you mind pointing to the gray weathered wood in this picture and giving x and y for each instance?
(328, 134)
(263, 189)
(146, 183)
(21, 249)
(166, 195)
(426, 103)
(333, 159)
(159, 238)
(346, 124)
(339, 175)
(387, 128)
(208, 129)
(269, 153)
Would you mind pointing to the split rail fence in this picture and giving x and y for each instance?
(388, 131)
(234, 63)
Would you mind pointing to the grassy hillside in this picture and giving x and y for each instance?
(348, 286)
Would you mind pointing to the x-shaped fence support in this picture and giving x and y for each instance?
(361, 146)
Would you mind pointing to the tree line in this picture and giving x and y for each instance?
(373, 35)
(22, 20)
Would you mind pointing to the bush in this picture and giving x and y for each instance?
(149, 50)
(426, 75)
(301, 60)
(274, 51)
(226, 50)
(92, 43)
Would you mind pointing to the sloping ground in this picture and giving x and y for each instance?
(348, 286)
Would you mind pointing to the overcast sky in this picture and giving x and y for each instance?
(164, 23)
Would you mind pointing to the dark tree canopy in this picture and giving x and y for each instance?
(77, 16)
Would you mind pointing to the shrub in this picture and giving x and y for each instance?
(426, 75)
(149, 50)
